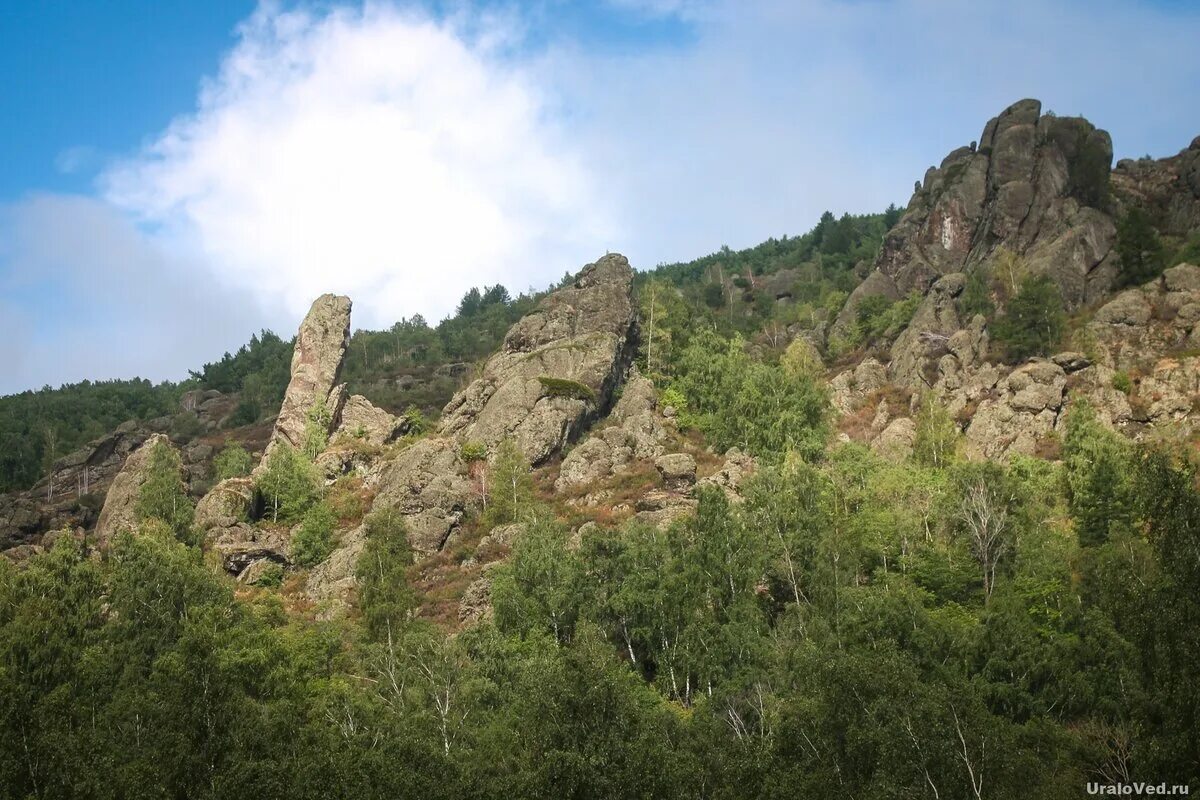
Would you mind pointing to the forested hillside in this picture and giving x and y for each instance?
(906, 506)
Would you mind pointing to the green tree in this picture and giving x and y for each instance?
(1033, 322)
(313, 542)
(1098, 474)
(316, 428)
(383, 591)
(937, 435)
(537, 589)
(509, 485)
(163, 495)
(1139, 248)
(288, 484)
(232, 462)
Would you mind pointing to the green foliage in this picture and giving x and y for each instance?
(163, 495)
(313, 542)
(739, 402)
(937, 435)
(509, 486)
(232, 462)
(537, 589)
(878, 316)
(471, 452)
(1097, 471)
(383, 592)
(271, 576)
(832, 635)
(1033, 322)
(288, 484)
(714, 295)
(38, 428)
(316, 428)
(976, 297)
(1122, 382)
(1139, 248)
(561, 387)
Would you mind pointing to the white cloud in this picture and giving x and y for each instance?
(373, 152)
(84, 295)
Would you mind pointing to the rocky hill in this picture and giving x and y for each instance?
(857, 513)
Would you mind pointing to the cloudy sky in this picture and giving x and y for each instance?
(175, 176)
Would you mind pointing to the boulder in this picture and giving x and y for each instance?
(429, 484)
(896, 440)
(362, 421)
(226, 504)
(241, 545)
(678, 470)
(334, 578)
(1024, 412)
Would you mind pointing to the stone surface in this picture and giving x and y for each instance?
(429, 484)
(678, 470)
(1025, 411)
(1024, 190)
(241, 545)
(333, 578)
(119, 511)
(362, 421)
(226, 504)
(317, 359)
(636, 432)
(896, 439)
(557, 369)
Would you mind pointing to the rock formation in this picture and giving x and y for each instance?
(557, 369)
(317, 359)
(1036, 185)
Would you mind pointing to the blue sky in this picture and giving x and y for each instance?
(180, 174)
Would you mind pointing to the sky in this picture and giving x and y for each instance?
(177, 175)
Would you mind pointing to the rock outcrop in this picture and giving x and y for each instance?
(119, 511)
(360, 420)
(1168, 188)
(557, 369)
(1036, 185)
(635, 432)
(317, 359)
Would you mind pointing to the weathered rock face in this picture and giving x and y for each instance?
(637, 434)
(72, 494)
(1025, 411)
(557, 369)
(321, 346)
(226, 504)
(361, 420)
(850, 388)
(1031, 187)
(118, 513)
(428, 483)
(333, 579)
(1169, 188)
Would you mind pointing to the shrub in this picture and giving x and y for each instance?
(313, 542)
(185, 426)
(471, 452)
(976, 297)
(510, 486)
(714, 295)
(1122, 382)
(270, 577)
(316, 428)
(561, 387)
(232, 462)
